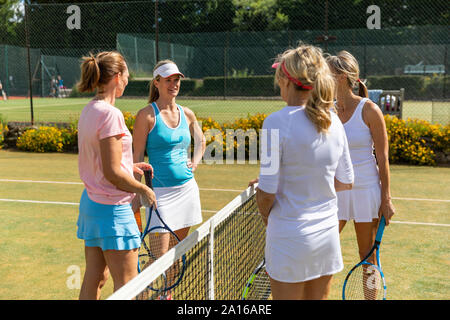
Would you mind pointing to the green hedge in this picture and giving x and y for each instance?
(141, 88)
(75, 94)
(416, 87)
(238, 86)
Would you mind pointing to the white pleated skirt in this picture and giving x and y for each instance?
(303, 258)
(359, 204)
(179, 206)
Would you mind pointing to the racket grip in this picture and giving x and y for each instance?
(148, 179)
(380, 229)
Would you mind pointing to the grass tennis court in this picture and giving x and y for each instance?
(39, 241)
(69, 109)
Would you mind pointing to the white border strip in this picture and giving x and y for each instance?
(418, 199)
(422, 223)
(41, 202)
(203, 189)
(36, 181)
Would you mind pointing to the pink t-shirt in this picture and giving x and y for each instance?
(100, 120)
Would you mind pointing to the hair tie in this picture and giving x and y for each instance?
(296, 81)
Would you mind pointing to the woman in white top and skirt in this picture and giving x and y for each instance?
(366, 131)
(309, 161)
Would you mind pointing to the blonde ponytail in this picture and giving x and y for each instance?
(321, 100)
(345, 63)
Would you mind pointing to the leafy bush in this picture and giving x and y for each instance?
(411, 141)
(141, 88)
(2, 129)
(238, 86)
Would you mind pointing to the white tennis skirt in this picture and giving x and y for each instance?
(359, 204)
(179, 206)
(303, 258)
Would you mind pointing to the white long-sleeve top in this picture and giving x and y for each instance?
(299, 167)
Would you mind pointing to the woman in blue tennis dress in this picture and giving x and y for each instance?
(163, 129)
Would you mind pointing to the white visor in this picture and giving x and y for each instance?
(167, 70)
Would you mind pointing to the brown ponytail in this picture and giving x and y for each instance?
(90, 74)
(154, 93)
(99, 70)
(362, 89)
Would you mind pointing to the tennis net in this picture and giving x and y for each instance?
(220, 256)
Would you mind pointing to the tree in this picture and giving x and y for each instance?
(11, 22)
(259, 15)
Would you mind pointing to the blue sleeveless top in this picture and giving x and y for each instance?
(167, 151)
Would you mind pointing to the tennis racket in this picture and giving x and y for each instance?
(365, 281)
(258, 285)
(156, 241)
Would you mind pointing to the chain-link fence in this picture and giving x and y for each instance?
(226, 47)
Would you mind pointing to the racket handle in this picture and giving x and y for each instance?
(137, 216)
(148, 179)
(380, 229)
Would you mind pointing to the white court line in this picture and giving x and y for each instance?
(36, 181)
(39, 106)
(80, 183)
(41, 202)
(422, 223)
(203, 189)
(418, 199)
(211, 211)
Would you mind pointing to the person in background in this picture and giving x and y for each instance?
(54, 88)
(2, 92)
(106, 221)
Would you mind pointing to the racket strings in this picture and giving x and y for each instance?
(155, 244)
(364, 283)
(259, 289)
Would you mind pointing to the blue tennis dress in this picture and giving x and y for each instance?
(176, 190)
(110, 227)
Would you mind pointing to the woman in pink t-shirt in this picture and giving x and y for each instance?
(106, 221)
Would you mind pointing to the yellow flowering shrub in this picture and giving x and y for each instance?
(3, 128)
(415, 141)
(411, 141)
(129, 120)
(252, 122)
(47, 139)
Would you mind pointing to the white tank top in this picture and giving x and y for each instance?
(360, 143)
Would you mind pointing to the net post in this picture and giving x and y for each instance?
(211, 261)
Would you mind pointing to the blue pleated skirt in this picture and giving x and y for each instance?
(110, 227)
